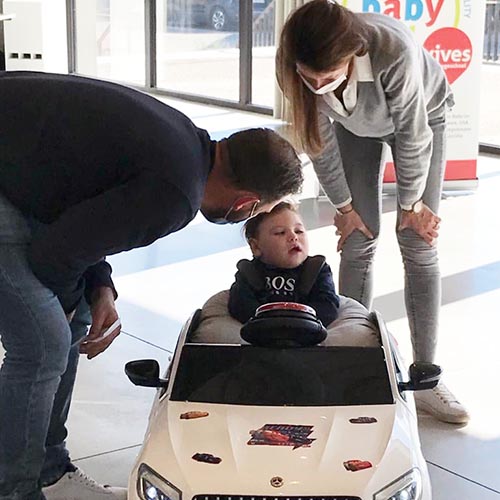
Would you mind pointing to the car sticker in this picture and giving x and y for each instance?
(363, 420)
(194, 414)
(282, 435)
(355, 465)
(206, 458)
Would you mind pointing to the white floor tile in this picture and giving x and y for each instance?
(471, 451)
(108, 412)
(157, 312)
(447, 486)
(111, 468)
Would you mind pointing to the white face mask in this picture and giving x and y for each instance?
(329, 87)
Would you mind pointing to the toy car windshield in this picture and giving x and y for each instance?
(263, 376)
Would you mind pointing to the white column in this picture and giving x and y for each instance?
(87, 33)
(36, 39)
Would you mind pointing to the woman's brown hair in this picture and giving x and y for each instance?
(320, 35)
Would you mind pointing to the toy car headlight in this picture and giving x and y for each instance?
(151, 486)
(407, 487)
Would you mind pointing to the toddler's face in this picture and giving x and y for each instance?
(281, 240)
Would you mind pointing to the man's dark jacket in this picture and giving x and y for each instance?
(105, 168)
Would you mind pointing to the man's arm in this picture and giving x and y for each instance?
(98, 276)
(104, 316)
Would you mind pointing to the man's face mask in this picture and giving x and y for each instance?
(221, 221)
(231, 218)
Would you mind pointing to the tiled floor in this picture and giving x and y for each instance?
(161, 285)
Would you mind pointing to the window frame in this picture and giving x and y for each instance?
(245, 60)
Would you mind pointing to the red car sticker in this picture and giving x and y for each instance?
(296, 436)
(355, 465)
(363, 420)
(194, 414)
(206, 458)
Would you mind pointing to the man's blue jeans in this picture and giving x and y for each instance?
(39, 369)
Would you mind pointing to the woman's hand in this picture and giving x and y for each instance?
(425, 223)
(103, 316)
(348, 220)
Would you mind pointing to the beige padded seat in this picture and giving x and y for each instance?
(353, 327)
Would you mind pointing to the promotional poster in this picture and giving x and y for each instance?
(452, 31)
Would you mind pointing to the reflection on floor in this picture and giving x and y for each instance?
(160, 286)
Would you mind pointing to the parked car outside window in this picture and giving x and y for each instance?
(219, 15)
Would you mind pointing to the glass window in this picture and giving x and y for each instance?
(489, 131)
(198, 47)
(312, 376)
(263, 52)
(110, 39)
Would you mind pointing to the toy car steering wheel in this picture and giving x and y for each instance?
(284, 324)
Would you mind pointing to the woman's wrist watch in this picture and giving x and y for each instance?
(345, 210)
(415, 208)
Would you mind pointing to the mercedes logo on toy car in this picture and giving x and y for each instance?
(276, 481)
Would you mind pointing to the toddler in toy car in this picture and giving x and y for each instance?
(281, 269)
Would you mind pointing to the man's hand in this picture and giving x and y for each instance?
(348, 220)
(425, 223)
(103, 316)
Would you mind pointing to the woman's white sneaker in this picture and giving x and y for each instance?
(442, 404)
(78, 486)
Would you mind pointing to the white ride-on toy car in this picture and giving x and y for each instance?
(287, 410)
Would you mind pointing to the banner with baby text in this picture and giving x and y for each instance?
(452, 31)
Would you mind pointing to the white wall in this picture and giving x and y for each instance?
(36, 39)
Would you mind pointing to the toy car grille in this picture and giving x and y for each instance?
(270, 497)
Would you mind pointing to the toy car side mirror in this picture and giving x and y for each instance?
(422, 376)
(145, 372)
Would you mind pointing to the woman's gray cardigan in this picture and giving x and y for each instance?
(408, 85)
